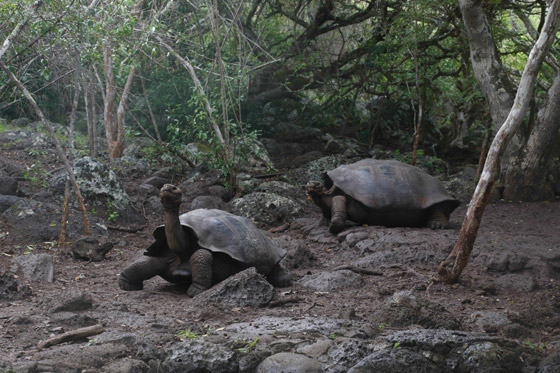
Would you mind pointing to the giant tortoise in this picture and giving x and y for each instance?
(381, 192)
(204, 246)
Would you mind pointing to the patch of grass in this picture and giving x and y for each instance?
(244, 346)
(185, 334)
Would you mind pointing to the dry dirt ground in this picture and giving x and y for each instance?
(509, 289)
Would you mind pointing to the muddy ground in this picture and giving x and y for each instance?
(510, 288)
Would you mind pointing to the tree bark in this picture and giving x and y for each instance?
(487, 67)
(118, 145)
(110, 96)
(59, 149)
(451, 268)
(89, 99)
(527, 180)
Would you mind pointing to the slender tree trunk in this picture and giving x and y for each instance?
(89, 100)
(110, 96)
(118, 145)
(59, 149)
(451, 268)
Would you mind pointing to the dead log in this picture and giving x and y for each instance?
(73, 335)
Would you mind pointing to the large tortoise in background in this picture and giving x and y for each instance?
(204, 247)
(382, 192)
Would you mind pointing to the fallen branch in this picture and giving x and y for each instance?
(125, 229)
(362, 271)
(73, 335)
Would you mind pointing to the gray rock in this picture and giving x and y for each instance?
(126, 365)
(89, 248)
(70, 301)
(298, 327)
(329, 281)
(281, 188)
(315, 169)
(219, 191)
(244, 289)
(7, 201)
(8, 185)
(487, 357)
(156, 181)
(290, 132)
(32, 221)
(75, 358)
(153, 206)
(24, 139)
(199, 355)
(507, 262)
(316, 349)
(489, 320)
(395, 360)
(36, 267)
(98, 184)
(12, 288)
(130, 166)
(208, 202)
(551, 363)
(347, 353)
(286, 362)
(517, 282)
(266, 209)
(406, 308)
(147, 190)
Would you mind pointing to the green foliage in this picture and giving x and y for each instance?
(185, 334)
(112, 210)
(195, 128)
(244, 347)
(36, 175)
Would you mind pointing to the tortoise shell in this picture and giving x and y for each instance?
(389, 184)
(222, 232)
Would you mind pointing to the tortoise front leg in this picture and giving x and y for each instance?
(133, 276)
(201, 266)
(437, 219)
(338, 214)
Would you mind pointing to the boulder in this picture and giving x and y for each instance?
(266, 209)
(98, 184)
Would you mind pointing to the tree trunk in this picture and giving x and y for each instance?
(118, 145)
(487, 67)
(527, 181)
(451, 268)
(110, 95)
(89, 99)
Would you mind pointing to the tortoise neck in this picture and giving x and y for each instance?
(174, 232)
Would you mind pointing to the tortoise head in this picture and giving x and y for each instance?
(170, 196)
(314, 187)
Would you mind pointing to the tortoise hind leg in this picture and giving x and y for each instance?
(279, 277)
(437, 219)
(338, 214)
(201, 266)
